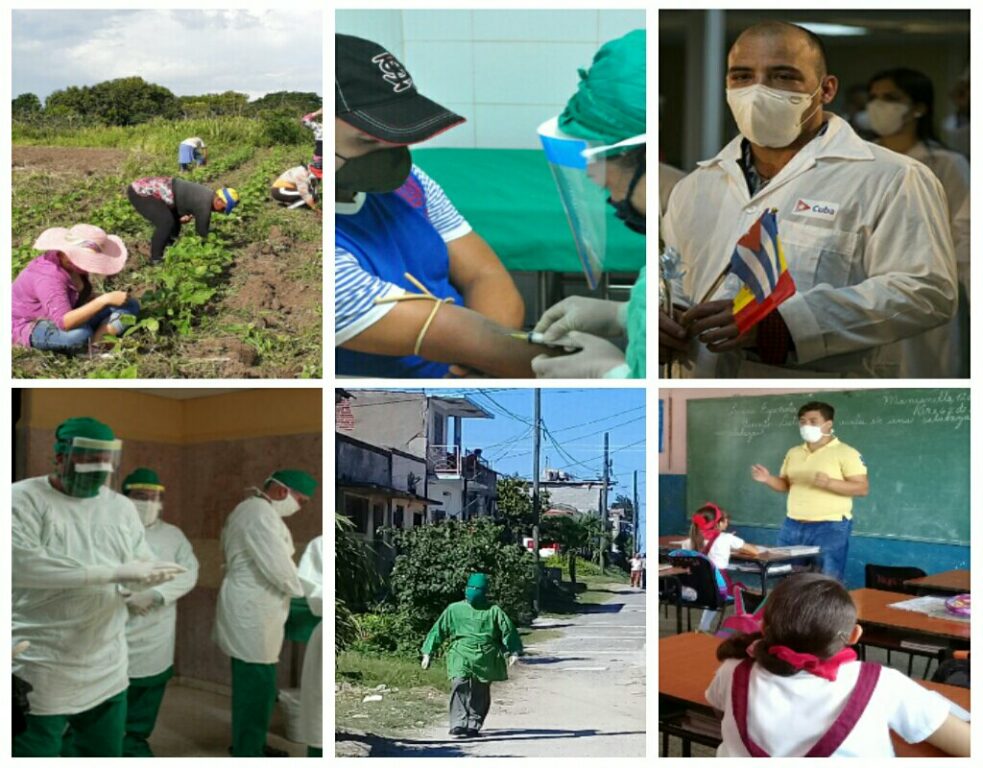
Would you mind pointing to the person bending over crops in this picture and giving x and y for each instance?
(53, 304)
(294, 185)
(168, 202)
(192, 152)
(311, 121)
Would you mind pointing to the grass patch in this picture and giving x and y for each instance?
(537, 636)
(566, 603)
(415, 697)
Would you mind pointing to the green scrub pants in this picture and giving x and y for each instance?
(253, 697)
(97, 732)
(143, 699)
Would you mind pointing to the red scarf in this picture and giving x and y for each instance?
(825, 668)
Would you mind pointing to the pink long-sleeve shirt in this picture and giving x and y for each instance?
(42, 291)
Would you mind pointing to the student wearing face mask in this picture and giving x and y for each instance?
(151, 628)
(864, 230)
(254, 601)
(901, 112)
(416, 289)
(76, 547)
(821, 477)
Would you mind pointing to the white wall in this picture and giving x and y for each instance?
(505, 71)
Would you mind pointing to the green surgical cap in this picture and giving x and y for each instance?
(609, 105)
(142, 477)
(635, 321)
(297, 480)
(80, 426)
(478, 581)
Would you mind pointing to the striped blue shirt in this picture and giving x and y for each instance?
(356, 289)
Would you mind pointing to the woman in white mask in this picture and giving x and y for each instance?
(900, 111)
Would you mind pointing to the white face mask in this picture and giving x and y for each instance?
(886, 117)
(767, 116)
(811, 434)
(149, 510)
(285, 507)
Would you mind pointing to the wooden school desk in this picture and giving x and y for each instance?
(762, 562)
(945, 583)
(873, 609)
(687, 664)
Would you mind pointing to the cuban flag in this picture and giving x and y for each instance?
(759, 262)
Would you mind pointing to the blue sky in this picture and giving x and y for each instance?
(189, 52)
(577, 418)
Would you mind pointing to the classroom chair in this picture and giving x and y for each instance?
(702, 579)
(892, 578)
(953, 668)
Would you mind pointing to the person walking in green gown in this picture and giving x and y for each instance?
(480, 634)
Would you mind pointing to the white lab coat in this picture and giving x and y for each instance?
(311, 573)
(260, 578)
(668, 178)
(150, 638)
(874, 267)
(77, 658)
(951, 340)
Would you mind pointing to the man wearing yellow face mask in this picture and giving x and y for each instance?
(864, 231)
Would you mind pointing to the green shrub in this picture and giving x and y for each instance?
(387, 632)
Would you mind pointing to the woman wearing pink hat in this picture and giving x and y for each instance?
(53, 303)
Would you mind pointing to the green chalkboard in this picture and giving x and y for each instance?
(915, 443)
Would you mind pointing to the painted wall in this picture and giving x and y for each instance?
(505, 71)
(674, 516)
(389, 419)
(208, 451)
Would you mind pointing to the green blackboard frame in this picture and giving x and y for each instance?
(915, 443)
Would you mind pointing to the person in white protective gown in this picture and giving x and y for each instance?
(75, 545)
(311, 573)
(254, 601)
(151, 628)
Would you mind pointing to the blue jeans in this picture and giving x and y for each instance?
(46, 335)
(833, 538)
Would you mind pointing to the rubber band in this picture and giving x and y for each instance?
(425, 294)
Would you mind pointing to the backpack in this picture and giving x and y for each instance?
(742, 622)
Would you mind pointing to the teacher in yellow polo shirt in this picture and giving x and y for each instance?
(821, 477)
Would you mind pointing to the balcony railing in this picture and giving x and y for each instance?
(444, 461)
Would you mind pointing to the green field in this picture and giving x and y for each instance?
(244, 303)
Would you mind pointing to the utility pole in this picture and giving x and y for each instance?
(634, 513)
(535, 493)
(604, 505)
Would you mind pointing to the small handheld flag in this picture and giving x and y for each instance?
(759, 261)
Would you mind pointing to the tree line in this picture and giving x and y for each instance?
(132, 100)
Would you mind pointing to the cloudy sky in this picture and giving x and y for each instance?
(186, 51)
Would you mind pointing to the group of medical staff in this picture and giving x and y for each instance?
(875, 233)
(418, 293)
(96, 578)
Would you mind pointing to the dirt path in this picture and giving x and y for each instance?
(68, 160)
(580, 695)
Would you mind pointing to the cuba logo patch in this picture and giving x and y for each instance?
(815, 209)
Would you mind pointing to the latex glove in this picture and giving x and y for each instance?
(19, 648)
(513, 659)
(146, 573)
(142, 603)
(596, 358)
(579, 313)
(425, 664)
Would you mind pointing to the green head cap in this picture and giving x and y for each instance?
(476, 593)
(142, 479)
(80, 426)
(297, 480)
(609, 105)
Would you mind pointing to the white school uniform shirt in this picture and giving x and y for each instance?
(866, 237)
(719, 552)
(788, 715)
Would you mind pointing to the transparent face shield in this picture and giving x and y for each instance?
(148, 499)
(88, 465)
(580, 183)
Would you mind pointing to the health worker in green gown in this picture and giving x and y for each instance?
(596, 149)
(480, 635)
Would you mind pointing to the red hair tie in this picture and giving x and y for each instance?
(825, 668)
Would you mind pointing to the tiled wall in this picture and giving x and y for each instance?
(505, 71)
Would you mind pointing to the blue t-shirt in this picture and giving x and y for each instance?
(376, 244)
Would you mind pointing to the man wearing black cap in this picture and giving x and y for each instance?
(416, 290)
